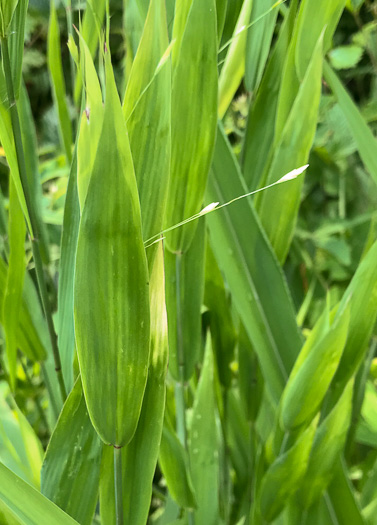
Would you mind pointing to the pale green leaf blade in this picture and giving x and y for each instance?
(57, 81)
(194, 116)
(15, 279)
(16, 44)
(71, 467)
(115, 298)
(27, 505)
(7, 8)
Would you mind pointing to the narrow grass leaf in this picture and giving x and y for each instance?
(304, 393)
(90, 124)
(260, 127)
(258, 42)
(65, 321)
(363, 135)
(71, 467)
(194, 116)
(221, 6)
(328, 444)
(147, 110)
(362, 295)
(91, 30)
(173, 462)
(29, 141)
(204, 445)
(7, 8)
(284, 476)
(16, 44)
(233, 69)
(252, 272)
(15, 279)
(313, 18)
(220, 320)
(291, 150)
(191, 290)
(139, 457)
(26, 504)
(7, 142)
(57, 81)
(20, 448)
(29, 339)
(342, 500)
(114, 356)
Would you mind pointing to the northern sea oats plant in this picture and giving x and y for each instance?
(187, 319)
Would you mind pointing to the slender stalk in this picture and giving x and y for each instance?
(34, 233)
(180, 387)
(118, 486)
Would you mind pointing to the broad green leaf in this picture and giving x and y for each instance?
(254, 277)
(11, 304)
(261, 119)
(233, 69)
(204, 445)
(194, 116)
(363, 135)
(345, 57)
(29, 339)
(65, 323)
(278, 207)
(140, 456)
(27, 505)
(259, 41)
(20, 448)
(147, 110)
(114, 357)
(306, 388)
(71, 467)
(328, 444)
(174, 465)
(284, 476)
(7, 8)
(187, 287)
(314, 16)
(57, 81)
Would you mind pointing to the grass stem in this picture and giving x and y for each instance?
(118, 486)
(34, 234)
(180, 387)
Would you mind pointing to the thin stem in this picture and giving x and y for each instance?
(118, 486)
(180, 387)
(34, 233)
